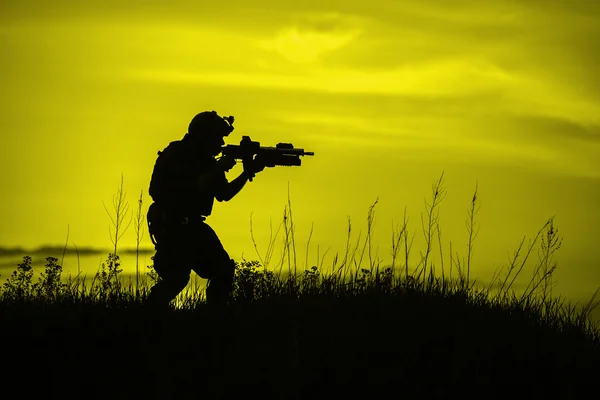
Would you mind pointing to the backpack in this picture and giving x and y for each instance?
(168, 160)
(157, 181)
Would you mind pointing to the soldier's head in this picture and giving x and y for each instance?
(207, 130)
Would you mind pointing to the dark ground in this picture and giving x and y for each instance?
(314, 349)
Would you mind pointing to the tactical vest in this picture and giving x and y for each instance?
(173, 185)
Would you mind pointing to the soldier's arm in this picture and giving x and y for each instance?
(228, 190)
(213, 179)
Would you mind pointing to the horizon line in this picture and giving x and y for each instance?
(59, 250)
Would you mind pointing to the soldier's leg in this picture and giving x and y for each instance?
(213, 263)
(220, 285)
(174, 278)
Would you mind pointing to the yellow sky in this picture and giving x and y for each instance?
(387, 94)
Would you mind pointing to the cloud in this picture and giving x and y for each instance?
(440, 78)
(558, 130)
(313, 35)
(556, 99)
(570, 147)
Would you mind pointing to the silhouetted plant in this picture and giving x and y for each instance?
(363, 279)
(19, 285)
(139, 233)
(106, 283)
(310, 280)
(49, 285)
(250, 283)
(108, 277)
(121, 206)
(384, 280)
(152, 274)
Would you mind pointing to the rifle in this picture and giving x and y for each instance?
(283, 154)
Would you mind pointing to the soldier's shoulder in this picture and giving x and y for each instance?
(176, 145)
(172, 148)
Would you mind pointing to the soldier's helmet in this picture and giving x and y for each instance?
(209, 123)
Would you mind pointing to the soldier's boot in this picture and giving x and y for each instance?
(220, 287)
(169, 285)
(165, 291)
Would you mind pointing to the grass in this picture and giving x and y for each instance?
(411, 330)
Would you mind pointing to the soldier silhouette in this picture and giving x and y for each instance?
(185, 181)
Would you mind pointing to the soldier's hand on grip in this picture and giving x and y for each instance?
(259, 163)
(252, 167)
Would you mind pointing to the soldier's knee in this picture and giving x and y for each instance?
(226, 271)
(178, 281)
(230, 269)
(160, 261)
(173, 279)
